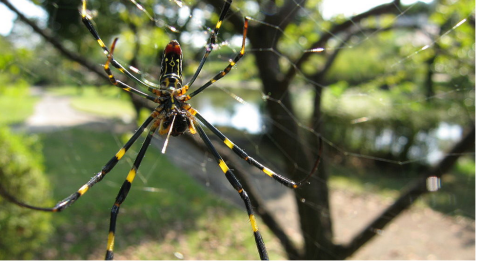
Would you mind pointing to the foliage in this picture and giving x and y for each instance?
(15, 98)
(390, 84)
(64, 18)
(17, 102)
(11, 63)
(23, 231)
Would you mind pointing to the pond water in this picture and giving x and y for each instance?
(241, 109)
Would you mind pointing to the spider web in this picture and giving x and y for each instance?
(426, 150)
(363, 113)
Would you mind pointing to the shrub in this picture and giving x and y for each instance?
(23, 231)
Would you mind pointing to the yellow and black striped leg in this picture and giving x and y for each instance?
(97, 178)
(86, 21)
(262, 251)
(228, 68)
(242, 154)
(107, 168)
(120, 84)
(122, 194)
(212, 41)
(143, 78)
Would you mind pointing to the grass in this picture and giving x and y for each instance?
(167, 214)
(455, 197)
(106, 101)
(16, 104)
(18, 109)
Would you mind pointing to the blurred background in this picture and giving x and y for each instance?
(381, 94)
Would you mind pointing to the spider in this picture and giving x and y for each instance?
(172, 116)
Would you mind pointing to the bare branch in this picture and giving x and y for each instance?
(416, 189)
(392, 7)
(319, 77)
(286, 13)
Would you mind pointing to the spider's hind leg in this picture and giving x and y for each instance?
(122, 194)
(262, 251)
(65, 203)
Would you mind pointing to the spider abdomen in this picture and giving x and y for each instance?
(178, 122)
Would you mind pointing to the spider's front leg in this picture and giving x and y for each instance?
(88, 24)
(118, 83)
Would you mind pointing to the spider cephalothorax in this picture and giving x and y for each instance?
(171, 73)
(174, 119)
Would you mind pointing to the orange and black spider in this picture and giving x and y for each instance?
(172, 116)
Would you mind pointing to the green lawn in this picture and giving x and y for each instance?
(106, 101)
(166, 211)
(455, 197)
(16, 104)
(168, 215)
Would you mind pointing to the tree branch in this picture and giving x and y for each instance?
(285, 15)
(416, 189)
(319, 77)
(337, 29)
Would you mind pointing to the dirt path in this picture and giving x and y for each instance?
(419, 233)
(54, 112)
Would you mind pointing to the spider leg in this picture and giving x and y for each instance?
(86, 21)
(120, 84)
(212, 41)
(97, 178)
(144, 79)
(227, 69)
(262, 251)
(242, 154)
(122, 194)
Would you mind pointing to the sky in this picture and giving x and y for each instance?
(353, 7)
(26, 7)
(329, 7)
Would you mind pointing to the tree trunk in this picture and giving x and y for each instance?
(314, 219)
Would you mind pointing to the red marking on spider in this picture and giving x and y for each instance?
(173, 47)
